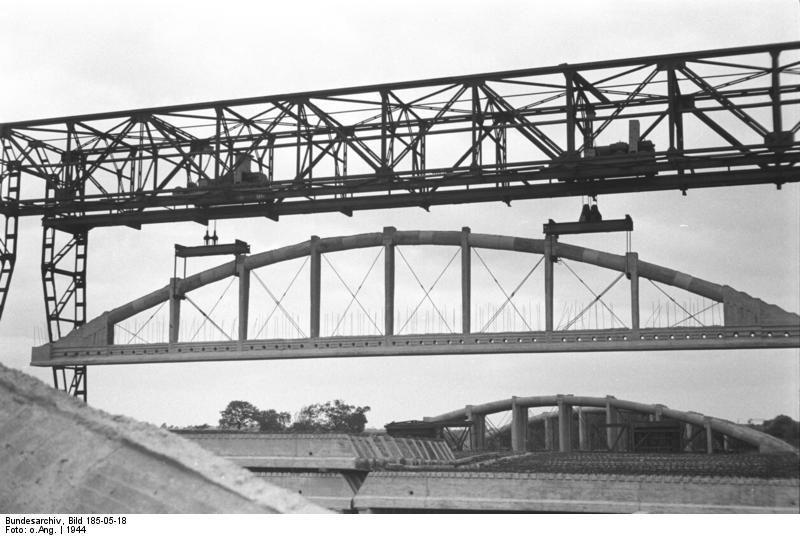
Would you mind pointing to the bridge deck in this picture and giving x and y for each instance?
(708, 338)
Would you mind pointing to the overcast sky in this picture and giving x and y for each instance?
(65, 58)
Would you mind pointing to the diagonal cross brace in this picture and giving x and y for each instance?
(279, 300)
(508, 297)
(503, 290)
(203, 323)
(597, 298)
(354, 295)
(676, 303)
(428, 291)
(208, 317)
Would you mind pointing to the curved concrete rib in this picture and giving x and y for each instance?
(740, 309)
(764, 442)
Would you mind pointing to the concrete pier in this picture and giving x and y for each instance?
(519, 426)
(564, 426)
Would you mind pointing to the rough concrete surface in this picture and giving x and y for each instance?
(58, 455)
(559, 492)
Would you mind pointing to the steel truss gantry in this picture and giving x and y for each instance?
(710, 118)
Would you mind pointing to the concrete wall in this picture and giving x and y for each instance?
(576, 493)
(322, 451)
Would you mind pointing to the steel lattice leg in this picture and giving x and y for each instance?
(65, 297)
(9, 190)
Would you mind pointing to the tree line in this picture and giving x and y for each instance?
(332, 416)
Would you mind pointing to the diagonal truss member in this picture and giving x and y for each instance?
(279, 302)
(597, 298)
(691, 316)
(508, 296)
(354, 294)
(207, 317)
(427, 292)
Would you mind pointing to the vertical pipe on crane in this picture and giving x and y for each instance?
(570, 112)
(775, 93)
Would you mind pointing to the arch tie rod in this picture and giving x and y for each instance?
(278, 302)
(354, 295)
(694, 316)
(208, 318)
(503, 290)
(598, 298)
(136, 335)
(427, 292)
(508, 299)
(676, 303)
(203, 323)
(594, 301)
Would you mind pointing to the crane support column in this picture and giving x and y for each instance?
(9, 190)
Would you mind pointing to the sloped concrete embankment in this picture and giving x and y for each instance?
(59, 455)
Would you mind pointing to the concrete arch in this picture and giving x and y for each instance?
(611, 406)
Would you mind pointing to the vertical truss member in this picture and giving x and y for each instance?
(64, 273)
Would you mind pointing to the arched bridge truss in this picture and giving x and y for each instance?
(618, 424)
(748, 322)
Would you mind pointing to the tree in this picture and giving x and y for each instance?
(335, 416)
(272, 421)
(239, 415)
(783, 427)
